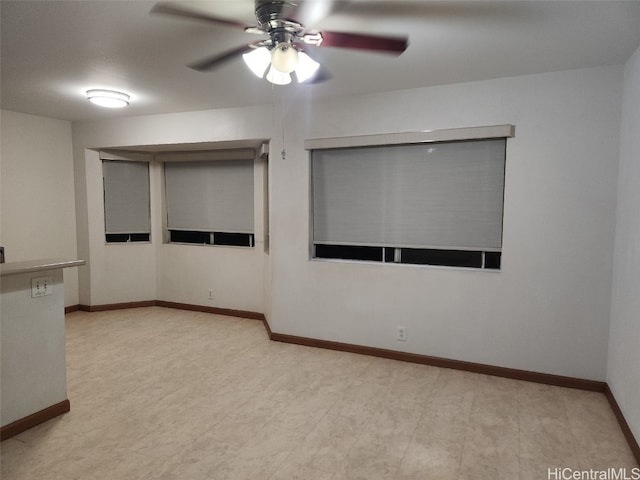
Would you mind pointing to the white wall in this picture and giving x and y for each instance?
(117, 273)
(546, 311)
(175, 273)
(37, 206)
(623, 368)
(186, 273)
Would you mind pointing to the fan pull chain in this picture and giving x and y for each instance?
(273, 110)
(284, 152)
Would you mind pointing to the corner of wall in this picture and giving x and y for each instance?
(624, 332)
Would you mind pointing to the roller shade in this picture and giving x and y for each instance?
(438, 195)
(210, 196)
(126, 196)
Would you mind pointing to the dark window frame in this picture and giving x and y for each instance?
(473, 259)
(127, 237)
(219, 239)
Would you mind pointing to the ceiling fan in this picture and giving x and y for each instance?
(285, 50)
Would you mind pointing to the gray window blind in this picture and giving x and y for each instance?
(126, 196)
(437, 195)
(210, 196)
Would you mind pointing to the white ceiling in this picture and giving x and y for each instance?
(53, 51)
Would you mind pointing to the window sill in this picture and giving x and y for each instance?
(187, 244)
(403, 265)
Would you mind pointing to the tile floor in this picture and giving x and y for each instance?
(166, 394)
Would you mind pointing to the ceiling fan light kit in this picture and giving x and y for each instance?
(280, 62)
(284, 51)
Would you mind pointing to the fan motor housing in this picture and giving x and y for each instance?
(269, 12)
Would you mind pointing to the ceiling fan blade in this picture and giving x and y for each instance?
(168, 8)
(211, 63)
(308, 12)
(358, 41)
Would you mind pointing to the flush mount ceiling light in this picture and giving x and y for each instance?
(108, 98)
(283, 59)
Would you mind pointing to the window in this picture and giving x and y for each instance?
(126, 201)
(210, 202)
(429, 203)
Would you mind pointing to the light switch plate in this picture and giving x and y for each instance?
(41, 286)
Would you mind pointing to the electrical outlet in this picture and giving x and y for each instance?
(402, 334)
(41, 286)
(210, 294)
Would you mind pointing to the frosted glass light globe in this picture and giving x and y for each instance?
(258, 60)
(284, 58)
(278, 78)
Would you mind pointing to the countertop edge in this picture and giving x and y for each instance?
(31, 266)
